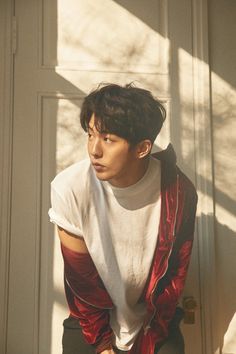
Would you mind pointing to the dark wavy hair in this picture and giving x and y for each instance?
(126, 111)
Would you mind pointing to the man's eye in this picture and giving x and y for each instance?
(107, 139)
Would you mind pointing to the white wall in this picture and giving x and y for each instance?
(222, 29)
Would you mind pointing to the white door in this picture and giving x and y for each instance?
(64, 49)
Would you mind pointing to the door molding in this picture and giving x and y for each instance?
(6, 94)
(204, 175)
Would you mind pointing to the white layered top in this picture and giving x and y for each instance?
(120, 228)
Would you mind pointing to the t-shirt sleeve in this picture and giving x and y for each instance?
(64, 212)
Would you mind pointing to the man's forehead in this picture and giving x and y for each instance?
(96, 123)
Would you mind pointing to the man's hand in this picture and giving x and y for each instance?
(108, 351)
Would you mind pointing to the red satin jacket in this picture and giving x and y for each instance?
(86, 295)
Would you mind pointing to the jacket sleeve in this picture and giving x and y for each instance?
(171, 285)
(87, 298)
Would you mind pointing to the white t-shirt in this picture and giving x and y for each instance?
(120, 228)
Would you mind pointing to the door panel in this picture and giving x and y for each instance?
(64, 50)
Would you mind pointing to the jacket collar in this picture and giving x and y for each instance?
(168, 166)
(168, 155)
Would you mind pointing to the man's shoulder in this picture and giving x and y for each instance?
(188, 193)
(186, 184)
(72, 178)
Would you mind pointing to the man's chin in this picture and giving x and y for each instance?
(102, 176)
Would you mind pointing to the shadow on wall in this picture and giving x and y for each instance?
(226, 243)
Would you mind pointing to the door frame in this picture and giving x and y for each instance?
(6, 128)
(204, 176)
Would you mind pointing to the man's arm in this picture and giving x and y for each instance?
(171, 286)
(73, 242)
(73, 259)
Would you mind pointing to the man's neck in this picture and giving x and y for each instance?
(136, 173)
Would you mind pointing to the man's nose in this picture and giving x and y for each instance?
(96, 148)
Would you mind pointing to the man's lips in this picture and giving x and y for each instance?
(98, 166)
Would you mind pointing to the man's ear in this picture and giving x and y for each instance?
(143, 148)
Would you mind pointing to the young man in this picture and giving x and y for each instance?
(126, 222)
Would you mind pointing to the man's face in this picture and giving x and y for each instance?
(111, 156)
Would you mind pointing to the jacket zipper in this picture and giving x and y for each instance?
(98, 307)
(164, 273)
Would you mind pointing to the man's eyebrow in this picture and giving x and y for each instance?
(104, 131)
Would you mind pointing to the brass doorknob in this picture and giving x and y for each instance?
(189, 306)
